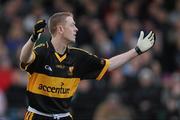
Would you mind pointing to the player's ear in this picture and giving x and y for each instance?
(60, 29)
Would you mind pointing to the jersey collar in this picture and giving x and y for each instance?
(58, 56)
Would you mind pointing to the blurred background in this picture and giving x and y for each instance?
(146, 88)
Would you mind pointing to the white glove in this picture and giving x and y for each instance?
(144, 44)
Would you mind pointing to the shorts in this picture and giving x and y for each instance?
(34, 116)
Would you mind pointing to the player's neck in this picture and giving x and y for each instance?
(59, 45)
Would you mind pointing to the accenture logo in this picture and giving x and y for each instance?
(52, 89)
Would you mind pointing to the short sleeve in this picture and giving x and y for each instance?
(92, 67)
(38, 56)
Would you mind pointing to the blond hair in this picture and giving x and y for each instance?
(57, 18)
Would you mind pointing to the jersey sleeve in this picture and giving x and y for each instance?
(38, 56)
(92, 67)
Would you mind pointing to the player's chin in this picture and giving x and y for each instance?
(73, 40)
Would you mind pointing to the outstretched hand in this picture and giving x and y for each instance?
(145, 43)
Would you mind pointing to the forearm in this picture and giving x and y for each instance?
(121, 59)
(26, 55)
(26, 52)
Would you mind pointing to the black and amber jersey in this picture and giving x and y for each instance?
(54, 78)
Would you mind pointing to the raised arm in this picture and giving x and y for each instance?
(143, 45)
(26, 55)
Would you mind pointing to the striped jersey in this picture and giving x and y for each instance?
(53, 78)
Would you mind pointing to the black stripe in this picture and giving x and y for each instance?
(48, 104)
(28, 115)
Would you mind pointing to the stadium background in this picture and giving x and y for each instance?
(147, 88)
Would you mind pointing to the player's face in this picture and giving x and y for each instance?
(70, 30)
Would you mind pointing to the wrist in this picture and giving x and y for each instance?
(138, 50)
(34, 37)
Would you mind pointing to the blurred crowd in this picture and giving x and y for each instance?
(146, 88)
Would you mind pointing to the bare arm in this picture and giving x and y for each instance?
(121, 59)
(143, 45)
(26, 52)
(26, 55)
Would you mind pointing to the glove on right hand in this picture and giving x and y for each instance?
(38, 28)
